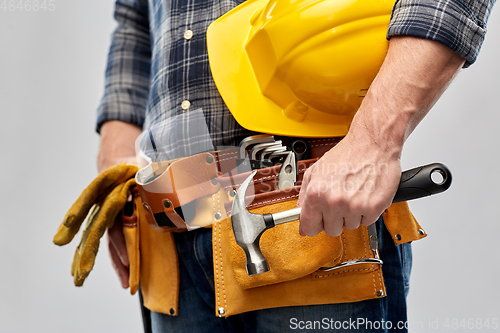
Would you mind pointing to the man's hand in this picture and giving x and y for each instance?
(355, 181)
(118, 145)
(118, 251)
(350, 185)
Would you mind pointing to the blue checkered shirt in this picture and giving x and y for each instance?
(158, 75)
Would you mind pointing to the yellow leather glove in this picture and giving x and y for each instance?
(99, 203)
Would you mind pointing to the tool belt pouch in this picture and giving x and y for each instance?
(290, 256)
(153, 260)
(197, 191)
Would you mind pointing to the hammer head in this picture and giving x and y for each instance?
(247, 229)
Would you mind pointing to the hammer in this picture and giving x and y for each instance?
(248, 227)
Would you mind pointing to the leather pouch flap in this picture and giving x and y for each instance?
(169, 190)
(234, 289)
(182, 181)
(401, 224)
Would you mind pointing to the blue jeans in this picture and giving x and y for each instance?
(197, 302)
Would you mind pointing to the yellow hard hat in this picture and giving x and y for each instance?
(298, 67)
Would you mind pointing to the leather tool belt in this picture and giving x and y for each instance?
(171, 191)
(197, 191)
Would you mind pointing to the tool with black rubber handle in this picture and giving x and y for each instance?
(248, 227)
(415, 183)
(423, 181)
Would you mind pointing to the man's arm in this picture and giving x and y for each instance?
(117, 145)
(128, 70)
(122, 109)
(354, 182)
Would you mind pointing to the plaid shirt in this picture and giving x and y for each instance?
(158, 75)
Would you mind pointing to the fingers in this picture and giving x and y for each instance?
(356, 214)
(118, 253)
(352, 222)
(333, 216)
(120, 269)
(116, 238)
(311, 216)
(305, 183)
(333, 224)
(311, 223)
(369, 219)
(326, 208)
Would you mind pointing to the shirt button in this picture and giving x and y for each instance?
(185, 105)
(188, 34)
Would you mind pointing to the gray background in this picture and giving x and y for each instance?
(51, 80)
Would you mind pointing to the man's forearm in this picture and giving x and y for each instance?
(414, 75)
(366, 163)
(117, 144)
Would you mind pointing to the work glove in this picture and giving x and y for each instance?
(99, 204)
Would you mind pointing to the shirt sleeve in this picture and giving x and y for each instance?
(458, 24)
(128, 68)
